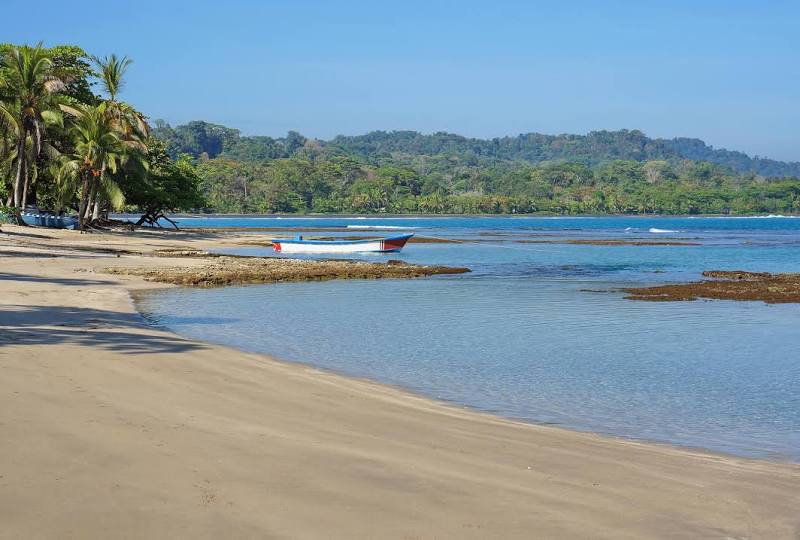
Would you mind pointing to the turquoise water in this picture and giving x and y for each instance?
(539, 331)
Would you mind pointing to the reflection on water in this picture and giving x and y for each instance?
(522, 336)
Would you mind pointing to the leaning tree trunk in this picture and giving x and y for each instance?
(92, 200)
(20, 182)
(95, 200)
(22, 173)
(84, 200)
(25, 189)
(96, 210)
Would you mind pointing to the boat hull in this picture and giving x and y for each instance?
(379, 245)
(48, 220)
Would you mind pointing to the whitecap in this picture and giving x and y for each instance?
(768, 216)
(378, 227)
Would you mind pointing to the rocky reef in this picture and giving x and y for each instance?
(229, 270)
(726, 285)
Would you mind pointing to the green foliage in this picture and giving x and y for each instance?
(198, 139)
(111, 72)
(68, 147)
(71, 64)
(596, 148)
(168, 186)
(593, 149)
(404, 171)
(62, 147)
(349, 185)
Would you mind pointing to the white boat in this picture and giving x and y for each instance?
(377, 245)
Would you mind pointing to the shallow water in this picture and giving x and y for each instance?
(539, 331)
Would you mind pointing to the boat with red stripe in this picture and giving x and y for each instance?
(390, 244)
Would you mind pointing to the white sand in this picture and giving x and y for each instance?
(112, 429)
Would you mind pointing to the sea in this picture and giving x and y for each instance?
(539, 330)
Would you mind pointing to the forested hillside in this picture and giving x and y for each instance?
(406, 172)
(65, 148)
(598, 147)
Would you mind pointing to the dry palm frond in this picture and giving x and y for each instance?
(71, 110)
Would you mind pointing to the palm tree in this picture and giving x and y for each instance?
(9, 132)
(129, 124)
(112, 70)
(98, 152)
(29, 101)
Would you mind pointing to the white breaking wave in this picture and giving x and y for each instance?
(770, 216)
(654, 230)
(378, 227)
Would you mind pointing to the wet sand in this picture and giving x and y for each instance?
(115, 429)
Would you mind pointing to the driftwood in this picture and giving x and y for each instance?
(151, 218)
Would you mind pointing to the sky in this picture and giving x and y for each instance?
(727, 72)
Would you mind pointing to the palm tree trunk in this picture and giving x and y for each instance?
(22, 173)
(95, 201)
(25, 190)
(20, 180)
(90, 202)
(84, 200)
(96, 210)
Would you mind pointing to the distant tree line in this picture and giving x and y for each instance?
(201, 138)
(405, 172)
(69, 143)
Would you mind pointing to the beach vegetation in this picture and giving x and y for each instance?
(622, 172)
(70, 143)
(65, 148)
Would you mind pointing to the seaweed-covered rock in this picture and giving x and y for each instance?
(726, 285)
(225, 270)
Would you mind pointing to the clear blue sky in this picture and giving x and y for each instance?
(724, 71)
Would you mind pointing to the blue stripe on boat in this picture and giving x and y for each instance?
(49, 221)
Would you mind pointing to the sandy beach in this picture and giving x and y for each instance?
(114, 429)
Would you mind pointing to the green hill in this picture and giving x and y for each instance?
(593, 149)
(408, 172)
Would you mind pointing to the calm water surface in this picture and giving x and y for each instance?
(538, 331)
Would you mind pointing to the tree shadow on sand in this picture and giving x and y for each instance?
(107, 330)
(5, 276)
(63, 253)
(25, 235)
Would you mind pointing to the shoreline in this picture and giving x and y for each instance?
(543, 215)
(396, 463)
(452, 404)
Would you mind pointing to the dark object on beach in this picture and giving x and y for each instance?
(726, 285)
(152, 218)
